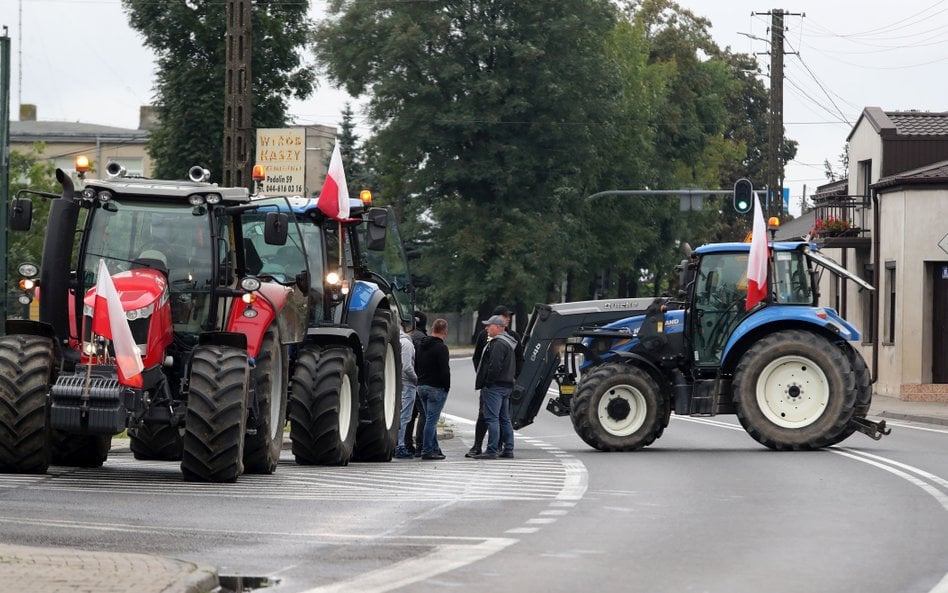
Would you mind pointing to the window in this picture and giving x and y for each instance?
(890, 302)
(863, 180)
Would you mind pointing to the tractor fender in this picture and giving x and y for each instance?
(819, 320)
(269, 306)
(639, 361)
(30, 328)
(345, 337)
(365, 299)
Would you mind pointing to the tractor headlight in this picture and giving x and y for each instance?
(213, 198)
(142, 313)
(250, 284)
(332, 279)
(195, 199)
(24, 299)
(28, 270)
(105, 195)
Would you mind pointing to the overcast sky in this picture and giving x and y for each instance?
(80, 61)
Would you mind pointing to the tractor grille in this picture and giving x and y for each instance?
(139, 329)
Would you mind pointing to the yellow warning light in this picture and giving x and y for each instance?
(259, 173)
(773, 222)
(366, 196)
(82, 163)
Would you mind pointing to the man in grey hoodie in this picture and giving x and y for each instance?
(496, 374)
(409, 389)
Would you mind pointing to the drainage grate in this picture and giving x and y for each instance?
(241, 583)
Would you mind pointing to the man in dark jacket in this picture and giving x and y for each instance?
(480, 427)
(433, 367)
(495, 378)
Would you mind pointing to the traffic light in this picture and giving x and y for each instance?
(743, 196)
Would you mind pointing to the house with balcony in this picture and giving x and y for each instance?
(888, 222)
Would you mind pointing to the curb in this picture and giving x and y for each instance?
(203, 579)
(912, 418)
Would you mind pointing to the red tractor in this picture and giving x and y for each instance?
(210, 328)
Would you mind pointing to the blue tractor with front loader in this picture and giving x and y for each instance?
(787, 367)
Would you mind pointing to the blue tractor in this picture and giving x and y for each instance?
(788, 367)
(345, 376)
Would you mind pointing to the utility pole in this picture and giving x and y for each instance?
(238, 78)
(774, 202)
(4, 166)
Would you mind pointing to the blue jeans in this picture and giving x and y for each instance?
(408, 402)
(432, 398)
(496, 405)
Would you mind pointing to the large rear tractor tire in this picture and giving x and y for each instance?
(26, 369)
(271, 378)
(80, 450)
(324, 406)
(618, 407)
(216, 419)
(161, 442)
(794, 391)
(379, 415)
(863, 394)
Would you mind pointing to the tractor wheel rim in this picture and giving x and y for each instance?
(276, 394)
(622, 410)
(345, 407)
(792, 392)
(390, 380)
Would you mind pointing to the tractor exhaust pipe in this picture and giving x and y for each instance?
(57, 254)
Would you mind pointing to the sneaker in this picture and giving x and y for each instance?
(506, 455)
(473, 452)
(485, 456)
(432, 456)
(417, 452)
(403, 453)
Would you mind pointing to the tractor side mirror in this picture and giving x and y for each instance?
(21, 214)
(275, 228)
(378, 226)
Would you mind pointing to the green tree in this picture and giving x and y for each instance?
(490, 118)
(188, 41)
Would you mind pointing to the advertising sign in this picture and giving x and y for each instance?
(282, 151)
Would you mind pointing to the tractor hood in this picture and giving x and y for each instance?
(138, 290)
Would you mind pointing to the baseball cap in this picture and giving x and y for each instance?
(496, 320)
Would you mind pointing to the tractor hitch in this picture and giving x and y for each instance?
(870, 428)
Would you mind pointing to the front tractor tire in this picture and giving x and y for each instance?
(379, 414)
(794, 390)
(216, 419)
(271, 378)
(618, 407)
(26, 369)
(324, 406)
(160, 442)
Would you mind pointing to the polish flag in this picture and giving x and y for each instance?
(334, 197)
(126, 352)
(757, 262)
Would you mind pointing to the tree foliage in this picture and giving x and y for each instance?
(493, 120)
(188, 40)
(483, 112)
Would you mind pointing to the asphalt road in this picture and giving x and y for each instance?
(703, 509)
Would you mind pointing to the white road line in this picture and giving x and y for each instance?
(441, 559)
(916, 427)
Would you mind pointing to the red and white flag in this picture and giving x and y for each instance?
(334, 197)
(126, 352)
(757, 262)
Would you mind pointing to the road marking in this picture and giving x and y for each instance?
(916, 427)
(441, 559)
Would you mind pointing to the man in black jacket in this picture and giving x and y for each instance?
(480, 427)
(433, 367)
(495, 378)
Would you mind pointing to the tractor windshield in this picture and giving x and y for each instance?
(171, 238)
